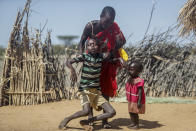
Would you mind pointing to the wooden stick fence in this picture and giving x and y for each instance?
(31, 73)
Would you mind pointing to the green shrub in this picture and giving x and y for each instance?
(58, 49)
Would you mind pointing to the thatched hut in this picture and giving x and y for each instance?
(187, 18)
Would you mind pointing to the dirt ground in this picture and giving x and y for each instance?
(46, 117)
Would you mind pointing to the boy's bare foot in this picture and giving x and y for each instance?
(63, 123)
(106, 125)
(85, 125)
(91, 123)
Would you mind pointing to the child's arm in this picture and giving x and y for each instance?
(69, 65)
(140, 97)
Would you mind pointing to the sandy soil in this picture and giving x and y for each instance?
(46, 117)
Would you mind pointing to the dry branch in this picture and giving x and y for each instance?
(169, 68)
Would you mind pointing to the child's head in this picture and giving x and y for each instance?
(107, 17)
(135, 68)
(92, 46)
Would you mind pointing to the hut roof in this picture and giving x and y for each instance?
(187, 18)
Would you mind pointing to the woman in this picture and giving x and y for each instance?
(112, 39)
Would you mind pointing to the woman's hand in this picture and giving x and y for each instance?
(120, 41)
(119, 37)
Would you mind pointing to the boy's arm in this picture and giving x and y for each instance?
(140, 97)
(69, 65)
(73, 76)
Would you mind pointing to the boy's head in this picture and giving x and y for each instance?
(92, 46)
(107, 17)
(135, 68)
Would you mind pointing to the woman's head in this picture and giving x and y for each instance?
(107, 17)
(135, 68)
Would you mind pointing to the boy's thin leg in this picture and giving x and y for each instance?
(109, 112)
(84, 112)
(105, 123)
(90, 115)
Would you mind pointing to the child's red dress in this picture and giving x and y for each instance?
(132, 96)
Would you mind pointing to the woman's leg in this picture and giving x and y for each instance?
(84, 112)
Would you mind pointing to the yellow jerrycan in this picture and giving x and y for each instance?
(123, 54)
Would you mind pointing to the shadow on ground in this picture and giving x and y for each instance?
(117, 124)
(73, 128)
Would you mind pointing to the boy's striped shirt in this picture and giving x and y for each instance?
(91, 70)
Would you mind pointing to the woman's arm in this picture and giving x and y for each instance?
(86, 33)
(120, 41)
